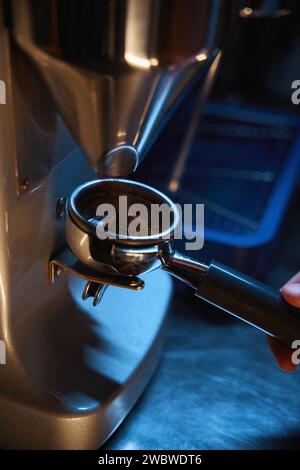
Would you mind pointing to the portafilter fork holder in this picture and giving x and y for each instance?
(119, 259)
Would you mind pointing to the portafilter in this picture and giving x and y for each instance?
(122, 254)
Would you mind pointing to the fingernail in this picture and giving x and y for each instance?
(291, 293)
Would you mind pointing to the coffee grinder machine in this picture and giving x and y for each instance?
(88, 86)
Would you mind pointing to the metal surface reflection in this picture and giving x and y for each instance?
(117, 68)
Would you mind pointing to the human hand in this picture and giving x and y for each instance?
(291, 293)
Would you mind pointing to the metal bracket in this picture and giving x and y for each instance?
(97, 282)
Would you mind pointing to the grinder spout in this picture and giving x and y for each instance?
(117, 68)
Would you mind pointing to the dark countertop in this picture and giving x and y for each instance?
(217, 385)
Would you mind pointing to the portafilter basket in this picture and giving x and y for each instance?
(120, 253)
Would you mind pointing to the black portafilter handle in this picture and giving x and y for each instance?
(240, 295)
(251, 301)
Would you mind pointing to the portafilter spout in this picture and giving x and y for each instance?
(125, 255)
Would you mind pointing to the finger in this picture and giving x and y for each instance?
(291, 293)
(282, 353)
(294, 280)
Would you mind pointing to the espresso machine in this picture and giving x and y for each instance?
(89, 85)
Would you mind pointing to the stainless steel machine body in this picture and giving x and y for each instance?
(110, 76)
(116, 68)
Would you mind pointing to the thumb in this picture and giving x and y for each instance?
(291, 293)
